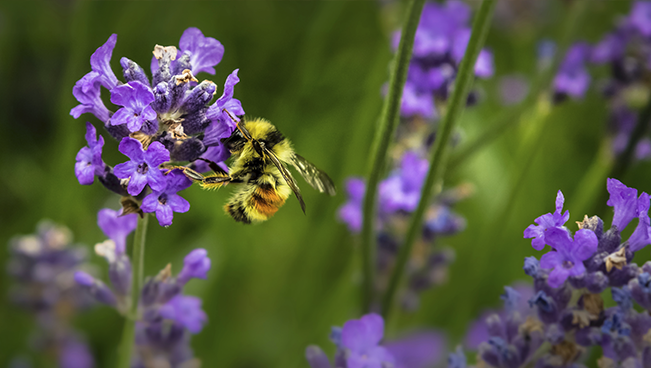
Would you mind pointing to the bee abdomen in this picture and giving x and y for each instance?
(257, 203)
(237, 212)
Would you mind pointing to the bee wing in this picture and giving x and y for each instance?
(286, 175)
(313, 176)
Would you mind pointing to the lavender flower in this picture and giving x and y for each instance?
(42, 266)
(167, 119)
(440, 43)
(351, 212)
(143, 167)
(358, 346)
(116, 226)
(166, 317)
(89, 159)
(568, 255)
(166, 201)
(545, 222)
(573, 79)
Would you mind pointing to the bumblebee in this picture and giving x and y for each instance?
(260, 153)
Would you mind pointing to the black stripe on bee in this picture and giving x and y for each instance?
(272, 138)
(237, 212)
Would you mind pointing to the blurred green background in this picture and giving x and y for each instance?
(316, 70)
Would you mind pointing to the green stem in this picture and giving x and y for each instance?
(138, 262)
(441, 145)
(540, 85)
(384, 135)
(624, 160)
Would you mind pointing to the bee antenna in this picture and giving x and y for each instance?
(229, 115)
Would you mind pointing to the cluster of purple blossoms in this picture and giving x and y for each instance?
(166, 318)
(440, 43)
(627, 52)
(565, 315)
(42, 266)
(359, 345)
(167, 120)
(399, 195)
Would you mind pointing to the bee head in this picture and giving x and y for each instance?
(235, 143)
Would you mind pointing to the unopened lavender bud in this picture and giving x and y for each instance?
(596, 282)
(120, 274)
(112, 182)
(162, 97)
(195, 265)
(554, 334)
(531, 266)
(547, 309)
(199, 97)
(316, 358)
(177, 93)
(133, 72)
(196, 123)
(188, 150)
(610, 241)
(622, 296)
(495, 326)
(165, 56)
(622, 277)
(95, 287)
(640, 288)
(182, 63)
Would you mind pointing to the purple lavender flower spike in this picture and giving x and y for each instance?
(195, 265)
(484, 67)
(87, 92)
(351, 212)
(573, 79)
(415, 103)
(117, 226)
(89, 159)
(216, 111)
(402, 191)
(624, 201)
(567, 259)
(640, 17)
(641, 237)
(75, 354)
(165, 202)
(417, 350)
(100, 62)
(361, 337)
(610, 48)
(205, 52)
(96, 288)
(143, 167)
(135, 98)
(186, 311)
(545, 222)
(316, 357)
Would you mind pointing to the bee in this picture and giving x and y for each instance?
(260, 154)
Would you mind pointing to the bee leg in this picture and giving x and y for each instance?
(213, 166)
(215, 181)
(191, 174)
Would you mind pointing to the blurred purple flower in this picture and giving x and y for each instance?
(186, 311)
(117, 226)
(420, 349)
(361, 338)
(351, 212)
(195, 265)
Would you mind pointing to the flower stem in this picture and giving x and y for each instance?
(138, 260)
(384, 135)
(441, 145)
(540, 84)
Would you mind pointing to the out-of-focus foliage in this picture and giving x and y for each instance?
(315, 69)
